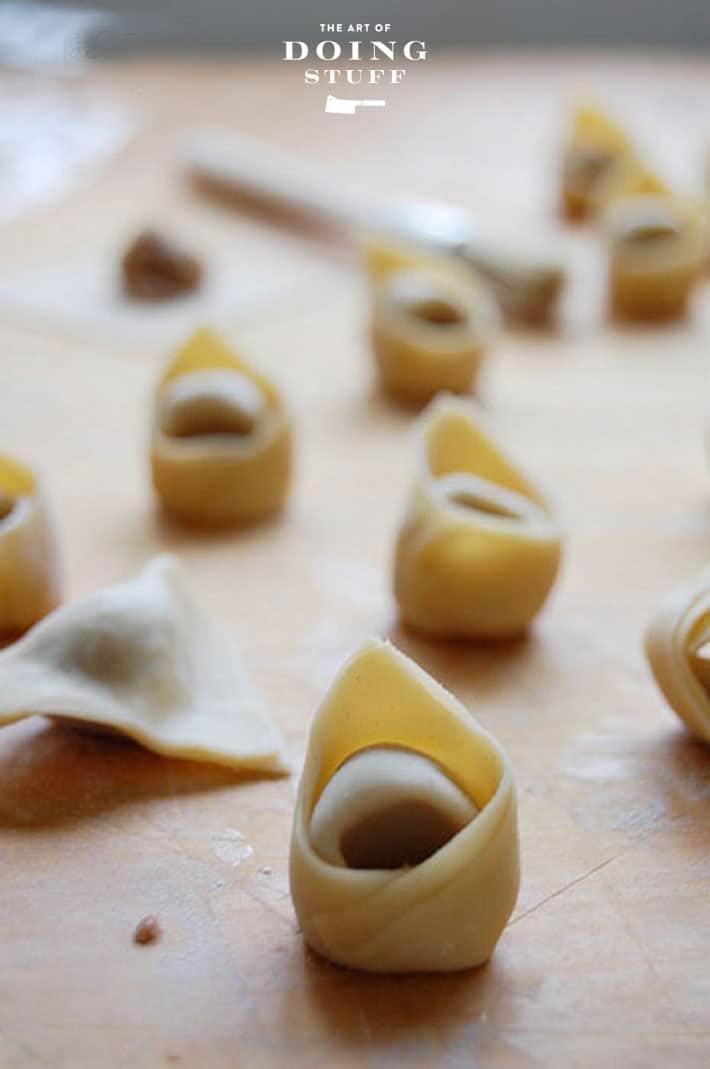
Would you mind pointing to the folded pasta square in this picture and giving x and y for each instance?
(141, 658)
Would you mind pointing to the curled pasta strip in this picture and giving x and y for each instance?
(404, 853)
(657, 247)
(431, 323)
(677, 645)
(479, 548)
(29, 554)
(221, 440)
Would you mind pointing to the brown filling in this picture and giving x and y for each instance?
(650, 232)
(223, 403)
(155, 269)
(437, 311)
(7, 504)
(586, 167)
(470, 500)
(217, 417)
(405, 833)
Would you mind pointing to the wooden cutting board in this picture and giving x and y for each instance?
(605, 959)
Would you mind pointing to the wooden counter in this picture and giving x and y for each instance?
(605, 961)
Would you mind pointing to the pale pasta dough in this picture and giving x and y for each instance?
(29, 554)
(388, 746)
(221, 440)
(431, 322)
(141, 658)
(678, 649)
(479, 548)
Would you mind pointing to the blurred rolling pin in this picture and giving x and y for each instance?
(526, 278)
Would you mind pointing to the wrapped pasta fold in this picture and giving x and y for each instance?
(29, 554)
(677, 645)
(479, 548)
(599, 164)
(431, 322)
(221, 440)
(404, 853)
(657, 246)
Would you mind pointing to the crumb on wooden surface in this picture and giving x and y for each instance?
(147, 931)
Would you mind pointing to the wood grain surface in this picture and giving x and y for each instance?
(605, 961)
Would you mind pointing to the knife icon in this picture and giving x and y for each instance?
(336, 106)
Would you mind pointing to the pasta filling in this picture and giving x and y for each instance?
(650, 232)
(468, 499)
(586, 167)
(7, 504)
(387, 807)
(214, 402)
(426, 300)
(437, 311)
(404, 833)
(699, 652)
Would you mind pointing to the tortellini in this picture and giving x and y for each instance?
(221, 441)
(600, 164)
(430, 323)
(142, 659)
(678, 649)
(404, 853)
(657, 248)
(479, 548)
(29, 554)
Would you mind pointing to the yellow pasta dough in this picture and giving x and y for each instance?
(479, 548)
(599, 164)
(221, 440)
(678, 649)
(29, 555)
(141, 658)
(430, 323)
(656, 255)
(387, 735)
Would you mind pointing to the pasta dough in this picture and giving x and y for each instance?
(678, 650)
(221, 442)
(430, 323)
(656, 255)
(600, 164)
(445, 912)
(141, 658)
(479, 548)
(29, 555)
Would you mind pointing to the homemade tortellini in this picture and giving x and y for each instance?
(599, 164)
(29, 556)
(479, 548)
(657, 247)
(221, 441)
(678, 649)
(142, 659)
(404, 854)
(430, 323)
